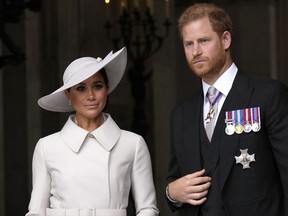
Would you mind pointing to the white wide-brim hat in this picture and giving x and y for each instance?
(80, 70)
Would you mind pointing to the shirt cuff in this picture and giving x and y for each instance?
(174, 202)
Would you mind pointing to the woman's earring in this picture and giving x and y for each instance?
(70, 103)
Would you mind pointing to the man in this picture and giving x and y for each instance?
(242, 168)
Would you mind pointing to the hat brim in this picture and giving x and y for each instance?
(114, 65)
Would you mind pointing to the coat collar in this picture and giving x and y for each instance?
(74, 136)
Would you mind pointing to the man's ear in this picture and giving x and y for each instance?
(226, 39)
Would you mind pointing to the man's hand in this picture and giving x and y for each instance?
(191, 188)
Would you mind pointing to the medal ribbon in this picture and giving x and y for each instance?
(252, 116)
(228, 116)
(216, 99)
(241, 117)
(256, 114)
(246, 116)
(238, 114)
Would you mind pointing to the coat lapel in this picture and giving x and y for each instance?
(238, 98)
(191, 133)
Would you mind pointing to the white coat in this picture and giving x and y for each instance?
(75, 169)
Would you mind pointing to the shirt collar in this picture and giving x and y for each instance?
(74, 136)
(224, 82)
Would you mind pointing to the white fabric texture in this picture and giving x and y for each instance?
(75, 169)
(86, 212)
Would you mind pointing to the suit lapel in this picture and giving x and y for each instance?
(238, 98)
(191, 133)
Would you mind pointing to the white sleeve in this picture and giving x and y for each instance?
(143, 188)
(41, 183)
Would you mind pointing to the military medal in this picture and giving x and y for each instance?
(239, 128)
(230, 129)
(246, 120)
(247, 126)
(211, 112)
(255, 117)
(230, 123)
(245, 159)
(255, 127)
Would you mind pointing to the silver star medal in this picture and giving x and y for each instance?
(245, 159)
(210, 114)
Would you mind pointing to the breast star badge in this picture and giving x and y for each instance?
(245, 159)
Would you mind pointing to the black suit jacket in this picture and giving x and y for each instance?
(261, 189)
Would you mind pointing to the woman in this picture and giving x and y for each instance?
(88, 168)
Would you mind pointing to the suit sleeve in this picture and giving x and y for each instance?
(277, 128)
(175, 127)
(174, 170)
(41, 183)
(143, 189)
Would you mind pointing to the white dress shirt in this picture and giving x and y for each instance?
(223, 84)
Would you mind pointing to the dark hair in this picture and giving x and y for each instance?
(219, 18)
(105, 77)
(103, 73)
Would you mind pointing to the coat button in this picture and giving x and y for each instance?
(204, 211)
